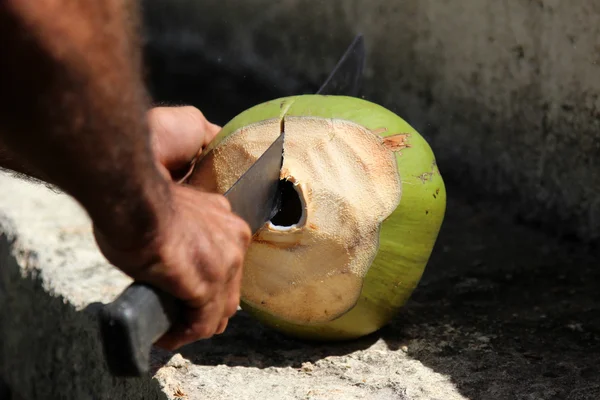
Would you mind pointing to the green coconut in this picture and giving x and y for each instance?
(363, 203)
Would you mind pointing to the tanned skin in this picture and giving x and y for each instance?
(74, 113)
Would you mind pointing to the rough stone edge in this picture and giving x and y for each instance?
(48, 348)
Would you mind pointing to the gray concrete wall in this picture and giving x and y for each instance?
(507, 92)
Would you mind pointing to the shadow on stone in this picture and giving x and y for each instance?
(505, 311)
(5, 392)
(48, 348)
(247, 343)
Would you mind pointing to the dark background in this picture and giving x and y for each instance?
(183, 75)
(531, 297)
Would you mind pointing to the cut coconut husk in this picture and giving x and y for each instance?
(363, 202)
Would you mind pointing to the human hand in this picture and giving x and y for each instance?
(197, 250)
(178, 134)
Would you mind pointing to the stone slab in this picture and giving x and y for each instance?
(502, 312)
(53, 279)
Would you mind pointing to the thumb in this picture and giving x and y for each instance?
(179, 134)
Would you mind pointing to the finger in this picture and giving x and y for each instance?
(198, 323)
(205, 321)
(222, 326)
(244, 234)
(179, 134)
(234, 291)
(236, 228)
(211, 132)
(220, 201)
(170, 341)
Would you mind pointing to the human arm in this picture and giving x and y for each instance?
(73, 106)
(73, 113)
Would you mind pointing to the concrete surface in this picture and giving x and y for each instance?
(53, 279)
(506, 91)
(503, 312)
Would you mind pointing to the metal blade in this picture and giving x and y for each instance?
(255, 197)
(346, 77)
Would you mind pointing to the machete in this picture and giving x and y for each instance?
(139, 316)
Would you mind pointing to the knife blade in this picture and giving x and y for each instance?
(346, 77)
(141, 314)
(259, 187)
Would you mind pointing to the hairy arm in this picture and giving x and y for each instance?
(73, 109)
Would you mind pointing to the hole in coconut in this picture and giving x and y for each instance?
(290, 212)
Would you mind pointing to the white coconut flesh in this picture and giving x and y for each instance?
(341, 182)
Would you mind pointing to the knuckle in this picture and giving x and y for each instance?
(202, 330)
(201, 294)
(215, 272)
(154, 113)
(212, 262)
(237, 260)
(242, 229)
(167, 274)
(223, 202)
(156, 118)
(194, 113)
(219, 201)
(209, 262)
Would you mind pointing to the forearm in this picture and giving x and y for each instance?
(74, 107)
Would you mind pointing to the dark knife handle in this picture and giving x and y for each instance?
(132, 323)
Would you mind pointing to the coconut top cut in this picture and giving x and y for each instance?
(340, 183)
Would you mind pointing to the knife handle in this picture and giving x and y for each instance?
(132, 323)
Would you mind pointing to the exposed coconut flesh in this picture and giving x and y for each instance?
(307, 265)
